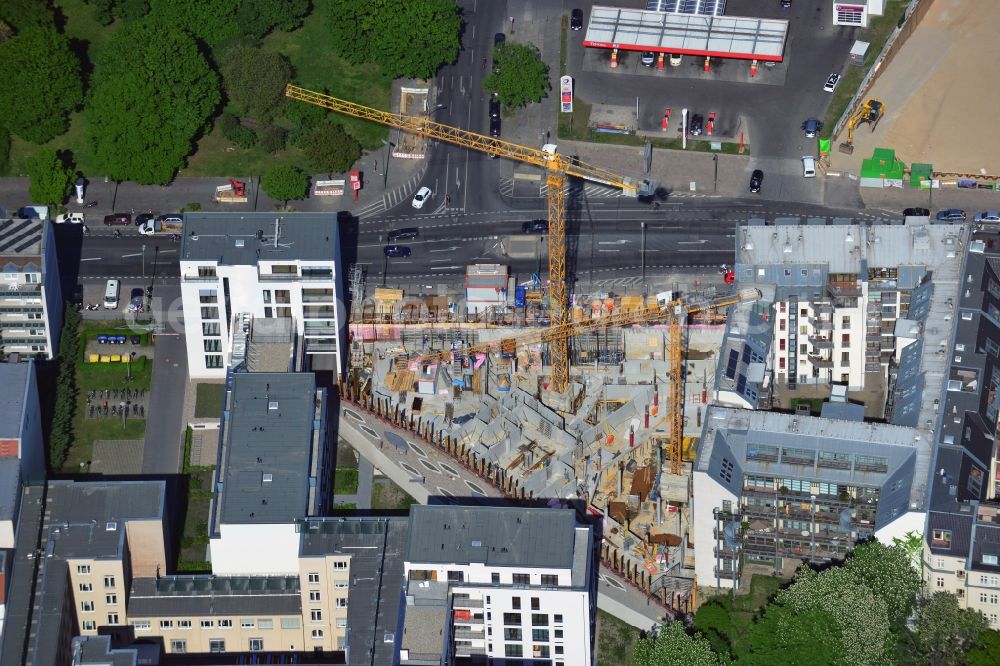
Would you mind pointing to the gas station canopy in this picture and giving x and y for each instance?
(687, 34)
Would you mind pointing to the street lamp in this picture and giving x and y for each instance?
(388, 154)
(143, 261)
(715, 184)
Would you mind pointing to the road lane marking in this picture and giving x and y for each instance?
(91, 259)
(137, 254)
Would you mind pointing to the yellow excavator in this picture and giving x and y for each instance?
(871, 112)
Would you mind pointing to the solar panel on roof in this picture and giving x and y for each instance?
(694, 7)
(734, 360)
(746, 353)
(28, 243)
(741, 383)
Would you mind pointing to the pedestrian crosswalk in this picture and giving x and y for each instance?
(392, 198)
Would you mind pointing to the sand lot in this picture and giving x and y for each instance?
(942, 93)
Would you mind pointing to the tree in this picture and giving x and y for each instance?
(786, 637)
(4, 148)
(672, 646)
(304, 118)
(406, 39)
(61, 430)
(256, 18)
(106, 11)
(888, 572)
(213, 22)
(244, 137)
(51, 178)
(284, 183)
(23, 14)
(330, 148)
(42, 84)
(520, 76)
(272, 138)
(152, 93)
(255, 80)
(987, 653)
(944, 632)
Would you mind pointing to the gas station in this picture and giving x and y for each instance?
(686, 27)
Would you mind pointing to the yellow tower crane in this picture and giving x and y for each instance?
(557, 168)
(676, 312)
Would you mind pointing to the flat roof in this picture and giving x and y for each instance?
(718, 36)
(244, 238)
(14, 378)
(173, 596)
(268, 448)
(494, 536)
(21, 237)
(700, 7)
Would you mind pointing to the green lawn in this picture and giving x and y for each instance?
(725, 620)
(387, 495)
(310, 51)
(615, 641)
(815, 404)
(345, 506)
(346, 455)
(195, 536)
(345, 481)
(208, 401)
(875, 34)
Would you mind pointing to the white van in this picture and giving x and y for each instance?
(808, 166)
(111, 295)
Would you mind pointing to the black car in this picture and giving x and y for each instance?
(494, 107)
(403, 234)
(786, 3)
(135, 301)
(696, 126)
(916, 212)
(756, 178)
(143, 218)
(576, 19)
(535, 227)
(495, 126)
(397, 251)
(498, 41)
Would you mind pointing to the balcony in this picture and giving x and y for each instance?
(278, 277)
(466, 602)
(843, 289)
(469, 634)
(23, 289)
(819, 361)
(199, 278)
(318, 298)
(821, 324)
(820, 343)
(326, 313)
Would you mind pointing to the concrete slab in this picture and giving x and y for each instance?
(117, 456)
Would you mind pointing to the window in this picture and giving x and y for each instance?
(317, 634)
(940, 582)
(86, 587)
(89, 625)
(109, 582)
(207, 624)
(341, 622)
(313, 595)
(282, 296)
(316, 615)
(781, 324)
(539, 620)
(512, 650)
(111, 599)
(845, 339)
(340, 564)
(512, 618)
(559, 649)
(210, 328)
(209, 313)
(495, 577)
(515, 603)
(183, 624)
(558, 632)
(803, 312)
(314, 577)
(550, 579)
(456, 577)
(208, 296)
(212, 344)
(206, 271)
(166, 625)
(267, 295)
(289, 623)
(521, 579)
(247, 623)
(87, 606)
(83, 569)
(340, 585)
(990, 559)
(540, 635)
(845, 321)
(535, 604)
(341, 602)
(265, 623)
(225, 624)
(112, 618)
(178, 645)
(216, 645)
(213, 360)
(512, 634)
(993, 618)
(284, 268)
(256, 644)
(557, 618)
(268, 312)
(939, 563)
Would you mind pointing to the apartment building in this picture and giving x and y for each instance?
(509, 585)
(274, 470)
(31, 306)
(240, 267)
(962, 536)
(841, 293)
(21, 422)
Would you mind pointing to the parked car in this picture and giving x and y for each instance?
(756, 178)
(696, 125)
(143, 218)
(831, 83)
(403, 234)
(117, 219)
(916, 212)
(648, 58)
(397, 251)
(494, 107)
(498, 41)
(135, 302)
(988, 216)
(421, 197)
(811, 126)
(808, 166)
(70, 218)
(675, 60)
(495, 127)
(576, 19)
(170, 218)
(535, 227)
(951, 214)
(785, 4)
